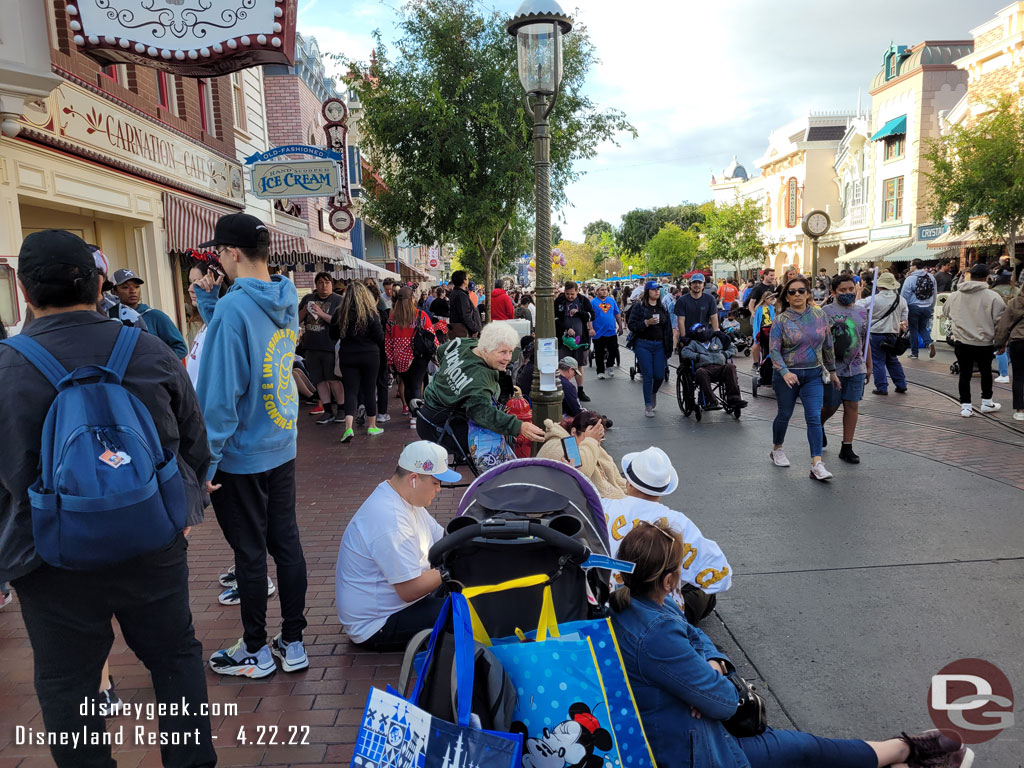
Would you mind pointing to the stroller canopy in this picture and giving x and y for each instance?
(538, 487)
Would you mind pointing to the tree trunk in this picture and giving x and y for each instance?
(1011, 249)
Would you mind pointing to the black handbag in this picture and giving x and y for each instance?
(894, 343)
(750, 718)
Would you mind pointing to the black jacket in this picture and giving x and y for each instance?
(463, 311)
(154, 375)
(587, 316)
(662, 331)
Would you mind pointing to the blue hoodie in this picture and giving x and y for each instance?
(245, 382)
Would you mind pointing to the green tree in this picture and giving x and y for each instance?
(977, 170)
(579, 262)
(445, 126)
(673, 250)
(593, 231)
(641, 224)
(732, 233)
(556, 234)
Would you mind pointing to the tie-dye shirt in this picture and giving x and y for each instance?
(849, 331)
(801, 341)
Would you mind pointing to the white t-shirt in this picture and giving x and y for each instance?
(194, 356)
(704, 565)
(386, 543)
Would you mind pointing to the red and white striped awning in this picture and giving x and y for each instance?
(187, 223)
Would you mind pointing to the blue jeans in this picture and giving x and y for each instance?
(1003, 361)
(650, 357)
(810, 390)
(796, 749)
(882, 362)
(919, 319)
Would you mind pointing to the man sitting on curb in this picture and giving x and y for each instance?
(568, 369)
(649, 476)
(711, 353)
(385, 588)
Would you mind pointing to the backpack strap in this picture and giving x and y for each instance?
(37, 354)
(123, 349)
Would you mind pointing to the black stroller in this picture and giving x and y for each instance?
(521, 518)
(763, 375)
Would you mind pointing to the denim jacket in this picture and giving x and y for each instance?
(666, 660)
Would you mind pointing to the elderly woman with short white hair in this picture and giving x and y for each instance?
(464, 391)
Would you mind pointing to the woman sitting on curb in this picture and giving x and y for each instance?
(597, 466)
(678, 677)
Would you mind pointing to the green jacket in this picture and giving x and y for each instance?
(464, 383)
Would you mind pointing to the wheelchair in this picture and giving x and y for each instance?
(450, 434)
(691, 399)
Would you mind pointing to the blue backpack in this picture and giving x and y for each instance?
(107, 489)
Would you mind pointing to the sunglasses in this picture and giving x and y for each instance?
(662, 531)
(796, 291)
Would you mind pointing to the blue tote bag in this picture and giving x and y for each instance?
(395, 733)
(574, 696)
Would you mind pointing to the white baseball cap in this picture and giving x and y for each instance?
(426, 458)
(650, 472)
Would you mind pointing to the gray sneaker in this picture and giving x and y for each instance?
(237, 660)
(292, 655)
(779, 458)
(818, 472)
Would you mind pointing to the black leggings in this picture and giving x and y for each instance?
(412, 379)
(1016, 350)
(359, 374)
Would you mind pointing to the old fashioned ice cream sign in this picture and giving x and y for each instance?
(295, 178)
(195, 38)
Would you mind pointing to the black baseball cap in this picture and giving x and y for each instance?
(239, 230)
(979, 272)
(42, 252)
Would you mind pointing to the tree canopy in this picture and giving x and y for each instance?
(641, 224)
(593, 231)
(732, 232)
(673, 250)
(977, 170)
(445, 127)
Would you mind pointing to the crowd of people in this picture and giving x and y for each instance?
(220, 407)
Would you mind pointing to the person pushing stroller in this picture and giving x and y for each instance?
(711, 353)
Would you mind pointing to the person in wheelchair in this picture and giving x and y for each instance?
(711, 353)
(465, 389)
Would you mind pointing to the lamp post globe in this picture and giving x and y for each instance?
(538, 27)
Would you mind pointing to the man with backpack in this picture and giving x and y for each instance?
(251, 405)
(100, 546)
(921, 291)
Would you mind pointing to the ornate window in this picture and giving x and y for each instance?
(892, 205)
(895, 147)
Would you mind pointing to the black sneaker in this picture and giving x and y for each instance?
(879, 392)
(327, 418)
(109, 702)
(901, 390)
(846, 454)
(361, 416)
(584, 398)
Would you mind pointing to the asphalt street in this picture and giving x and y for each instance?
(849, 595)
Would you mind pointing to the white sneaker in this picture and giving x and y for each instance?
(412, 423)
(609, 375)
(600, 376)
(965, 410)
(1018, 416)
(818, 472)
(779, 458)
(383, 418)
(649, 412)
(1002, 379)
(987, 406)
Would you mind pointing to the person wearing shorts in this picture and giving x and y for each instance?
(849, 325)
(316, 313)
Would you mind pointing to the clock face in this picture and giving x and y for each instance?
(334, 111)
(341, 220)
(817, 224)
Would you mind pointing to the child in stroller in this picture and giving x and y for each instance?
(761, 323)
(733, 327)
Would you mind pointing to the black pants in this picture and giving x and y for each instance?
(401, 627)
(257, 515)
(382, 384)
(412, 379)
(723, 373)
(359, 373)
(604, 352)
(68, 614)
(1016, 350)
(697, 604)
(967, 355)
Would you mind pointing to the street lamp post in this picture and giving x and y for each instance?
(538, 27)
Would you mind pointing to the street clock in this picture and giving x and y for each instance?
(815, 224)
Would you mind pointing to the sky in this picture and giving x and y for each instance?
(700, 81)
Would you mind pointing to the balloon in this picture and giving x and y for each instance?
(561, 261)
(532, 264)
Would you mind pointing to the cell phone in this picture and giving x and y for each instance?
(572, 451)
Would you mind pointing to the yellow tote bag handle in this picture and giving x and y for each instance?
(548, 620)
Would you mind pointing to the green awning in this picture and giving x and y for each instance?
(895, 127)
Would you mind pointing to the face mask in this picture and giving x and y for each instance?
(846, 299)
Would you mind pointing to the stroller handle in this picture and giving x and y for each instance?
(509, 529)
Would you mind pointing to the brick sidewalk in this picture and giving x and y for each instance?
(332, 481)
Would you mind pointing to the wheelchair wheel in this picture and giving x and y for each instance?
(746, 352)
(681, 394)
(632, 373)
(696, 411)
(754, 384)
